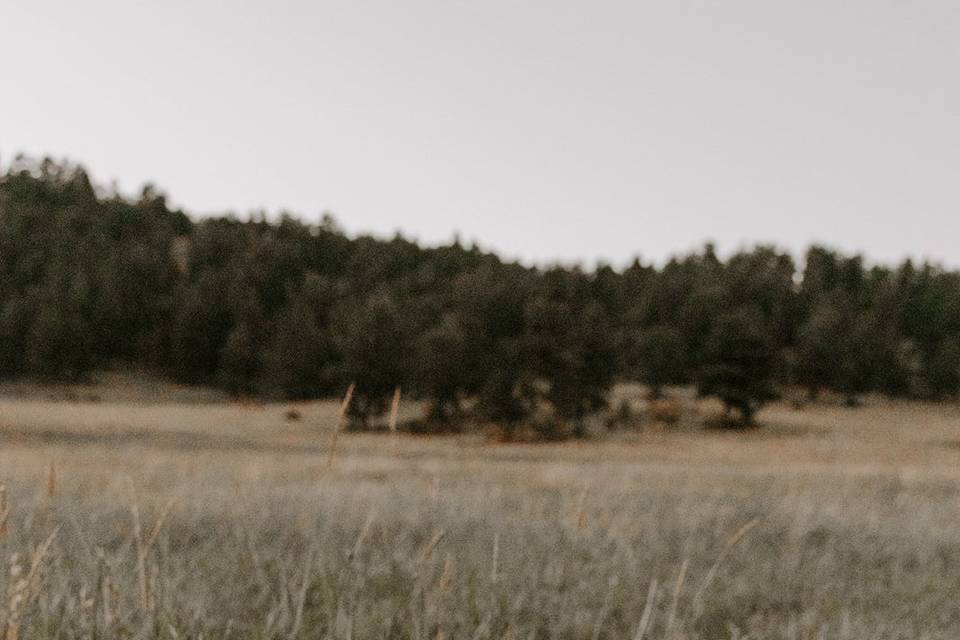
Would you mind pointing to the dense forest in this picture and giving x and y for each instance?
(284, 309)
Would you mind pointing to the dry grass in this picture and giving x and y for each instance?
(181, 520)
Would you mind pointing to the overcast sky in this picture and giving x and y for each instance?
(547, 129)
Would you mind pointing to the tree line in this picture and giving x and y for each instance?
(286, 309)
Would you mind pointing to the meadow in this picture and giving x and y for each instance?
(135, 509)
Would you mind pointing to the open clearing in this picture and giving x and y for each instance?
(263, 533)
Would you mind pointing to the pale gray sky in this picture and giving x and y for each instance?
(545, 129)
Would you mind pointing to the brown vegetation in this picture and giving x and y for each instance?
(177, 520)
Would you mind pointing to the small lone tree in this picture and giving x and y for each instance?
(738, 366)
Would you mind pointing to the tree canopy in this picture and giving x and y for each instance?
(282, 308)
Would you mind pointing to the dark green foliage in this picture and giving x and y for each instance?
(441, 367)
(572, 347)
(287, 309)
(659, 358)
(864, 351)
(239, 362)
(16, 320)
(739, 362)
(817, 355)
(59, 342)
(373, 346)
(860, 332)
(199, 326)
(297, 362)
(499, 353)
(943, 370)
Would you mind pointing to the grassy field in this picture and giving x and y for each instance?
(153, 511)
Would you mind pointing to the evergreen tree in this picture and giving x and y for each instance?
(374, 349)
(290, 309)
(442, 370)
(739, 363)
(572, 348)
(817, 356)
(943, 369)
(659, 358)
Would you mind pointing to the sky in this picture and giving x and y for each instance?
(547, 130)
